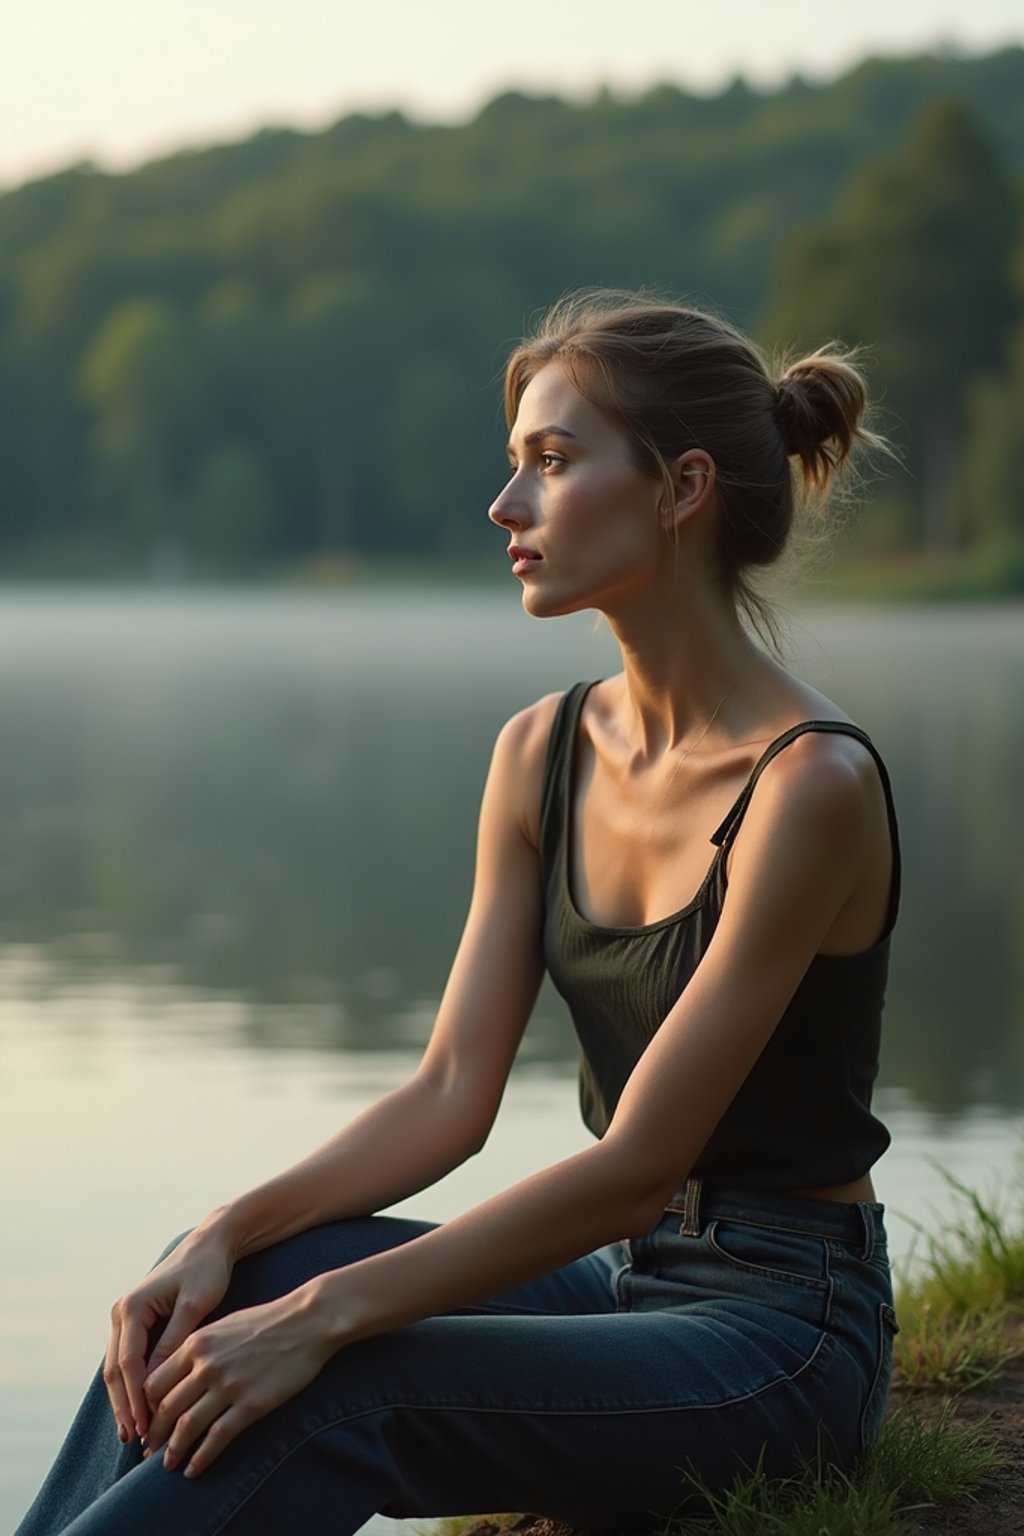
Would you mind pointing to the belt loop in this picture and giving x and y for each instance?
(690, 1225)
(869, 1230)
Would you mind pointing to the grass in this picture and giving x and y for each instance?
(913, 1467)
(953, 1352)
(977, 1260)
(962, 1314)
(932, 1463)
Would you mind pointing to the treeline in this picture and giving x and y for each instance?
(259, 354)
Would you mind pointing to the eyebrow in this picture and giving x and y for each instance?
(541, 432)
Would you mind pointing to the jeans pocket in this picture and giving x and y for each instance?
(771, 1253)
(874, 1408)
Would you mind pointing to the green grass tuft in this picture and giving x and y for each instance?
(952, 1351)
(819, 1502)
(960, 1312)
(977, 1262)
(913, 1467)
(935, 1462)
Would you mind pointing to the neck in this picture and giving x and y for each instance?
(685, 657)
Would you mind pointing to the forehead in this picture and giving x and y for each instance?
(551, 399)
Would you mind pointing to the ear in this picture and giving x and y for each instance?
(693, 476)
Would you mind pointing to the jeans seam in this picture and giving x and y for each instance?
(885, 1327)
(618, 1275)
(801, 1229)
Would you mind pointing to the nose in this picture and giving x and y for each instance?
(508, 509)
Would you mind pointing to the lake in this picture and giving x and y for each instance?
(236, 843)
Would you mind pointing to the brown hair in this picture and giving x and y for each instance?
(676, 378)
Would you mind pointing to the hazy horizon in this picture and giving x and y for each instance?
(124, 87)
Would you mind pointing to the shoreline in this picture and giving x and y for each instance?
(830, 579)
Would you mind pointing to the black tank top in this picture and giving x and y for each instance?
(802, 1116)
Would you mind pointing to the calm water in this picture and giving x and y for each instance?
(230, 888)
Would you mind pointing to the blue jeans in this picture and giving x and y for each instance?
(741, 1326)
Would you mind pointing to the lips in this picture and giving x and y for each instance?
(523, 560)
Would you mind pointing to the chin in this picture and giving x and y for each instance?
(548, 605)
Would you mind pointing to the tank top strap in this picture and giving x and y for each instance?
(558, 772)
(724, 834)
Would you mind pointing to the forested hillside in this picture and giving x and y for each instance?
(261, 353)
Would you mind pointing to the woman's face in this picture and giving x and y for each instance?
(583, 521)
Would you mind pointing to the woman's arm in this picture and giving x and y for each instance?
(796, 862)
(411, 1137)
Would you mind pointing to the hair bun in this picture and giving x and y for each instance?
(819, 405)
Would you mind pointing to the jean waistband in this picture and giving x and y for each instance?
(859, 1223)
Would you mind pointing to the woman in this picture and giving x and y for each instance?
(703, 852)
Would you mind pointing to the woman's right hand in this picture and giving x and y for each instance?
(182, 1289)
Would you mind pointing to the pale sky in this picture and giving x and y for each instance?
(120, 81)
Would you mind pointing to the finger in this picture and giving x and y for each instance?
(220, 1434)
(165, 1395)
(182, 1322)
(175, 1420)
(114, 1383)
(131, 1359)
(190, 1425)
(177, 1402)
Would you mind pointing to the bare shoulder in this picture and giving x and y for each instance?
(524, 736)
(820, 780)
(827, 759)
(520, 752)
(818, 817)
(817, 769)
(818, 826)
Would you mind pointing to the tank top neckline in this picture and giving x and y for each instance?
(722, 836)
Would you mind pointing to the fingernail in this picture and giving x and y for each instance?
(191, 1471)
(122, 1434)
(169, 1462)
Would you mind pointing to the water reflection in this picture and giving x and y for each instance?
(271, 799)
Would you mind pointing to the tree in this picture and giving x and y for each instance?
(143, 377)
(916, 264)
(991, 481)
(232, 509)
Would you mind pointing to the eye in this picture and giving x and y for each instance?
(550, 460)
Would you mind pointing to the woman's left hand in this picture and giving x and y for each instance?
(229, 1374)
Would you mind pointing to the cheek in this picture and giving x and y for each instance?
(630, 523)
(613, 500)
